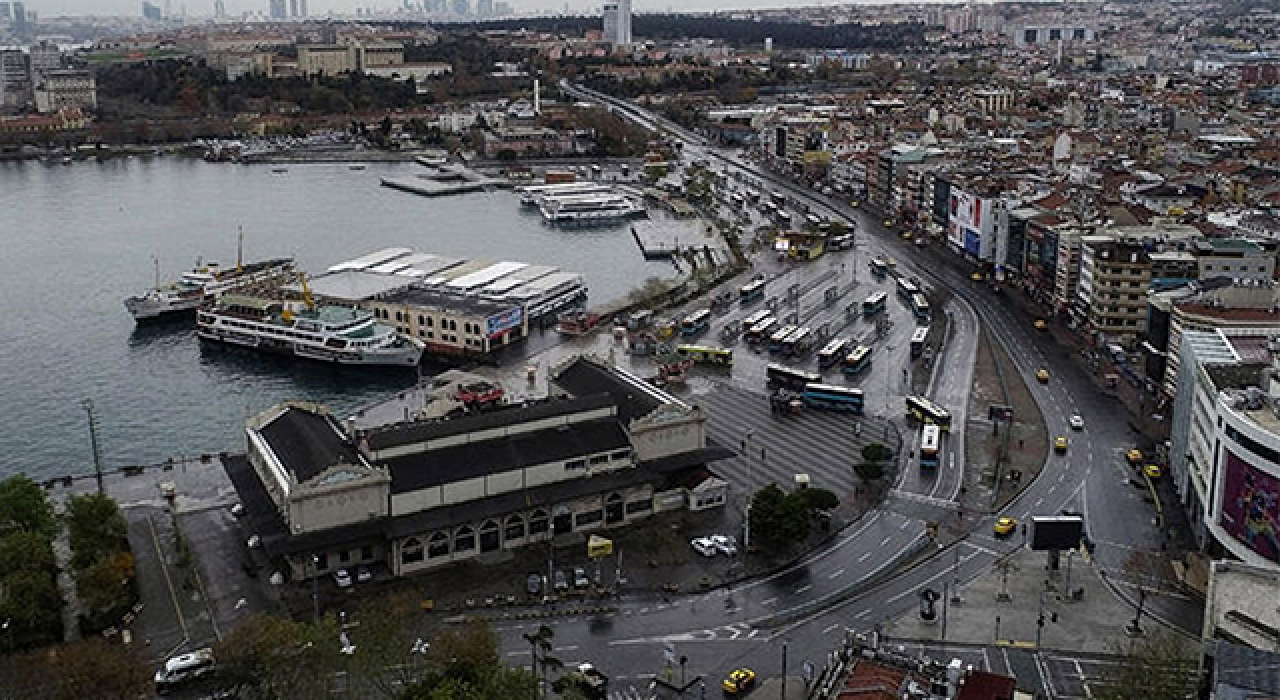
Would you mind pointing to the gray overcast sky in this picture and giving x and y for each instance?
(53, 8)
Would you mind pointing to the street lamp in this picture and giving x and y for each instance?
(315, 587)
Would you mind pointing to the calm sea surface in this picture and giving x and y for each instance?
(76, 240)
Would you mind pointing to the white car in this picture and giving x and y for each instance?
(342, 577)
(724, 544)
(704, 546)
(1076, 422)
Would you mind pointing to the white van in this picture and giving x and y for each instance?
(183, 668)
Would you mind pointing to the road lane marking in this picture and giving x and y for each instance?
(837, 574)
(801, 589)
(828, 628)
(864, 613)
(769, 601)
(884, 541)
(865, 556)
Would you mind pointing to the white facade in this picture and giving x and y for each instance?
(617, 22)
(65, 89)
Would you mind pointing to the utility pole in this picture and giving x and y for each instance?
(783, 695)
(93, 441)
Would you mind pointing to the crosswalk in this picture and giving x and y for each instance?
(821, 444)
(632, 693)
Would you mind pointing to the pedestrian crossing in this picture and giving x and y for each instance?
(632, 693)
(824, 445)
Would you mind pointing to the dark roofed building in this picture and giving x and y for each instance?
(417, 495)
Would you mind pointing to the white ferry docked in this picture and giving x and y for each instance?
(535, 195)
(338, 334)
(589, 209)
(203, 284)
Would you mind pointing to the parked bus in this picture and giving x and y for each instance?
(779, 337)
(833, 398)
(833, 352)
(755, 317)
(857, 360)
(924, 411)
(790, 378)
(920, 305)
(761, 330)
(798, 343)
(695, 322)
(930, 438)
(879, 268)
(907, 289)
(751, 291)
(706, 354)
(874, 304)
(918, 340)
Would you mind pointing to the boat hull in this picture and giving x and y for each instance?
(408, 356)
(143, 309)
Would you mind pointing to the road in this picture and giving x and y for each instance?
(724, 629)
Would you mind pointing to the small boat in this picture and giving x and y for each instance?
(66, 160)
(279, 171)
(355, 166)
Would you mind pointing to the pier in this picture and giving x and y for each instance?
(443, 180)
(662, 239)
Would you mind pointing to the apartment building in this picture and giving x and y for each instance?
(1111, 293)
(55, 90)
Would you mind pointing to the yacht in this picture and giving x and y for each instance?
(337, 334)
(206, 282)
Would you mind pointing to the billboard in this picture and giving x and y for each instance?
(962, 209)
(498, 324)
(1059, 532)
(1249, 507)
(972, 242)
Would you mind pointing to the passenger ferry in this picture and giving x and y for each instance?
(589, 209)
(202, 284)
(535, 195)
(337, 334)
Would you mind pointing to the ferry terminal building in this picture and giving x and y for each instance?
(609, 450)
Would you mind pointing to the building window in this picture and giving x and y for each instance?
(397, 316)
(430, 322)
(421, 319)
(643, 506)
(599, 459)
(514, 529)
(575, 464)
(453, 326)
(366, 552)
(411, 551)
(588, 518)
(438, 546)
(489, 540)
(465, 540)
(344, 556)
(538, 522)
(620, 454)
(321, 561)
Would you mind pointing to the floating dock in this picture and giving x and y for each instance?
(443, 180)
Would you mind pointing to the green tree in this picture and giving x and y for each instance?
(32, 605)
(274, 658)
(24, 507)
(540, 647)
(778, 519)
(26, 551)
(88, 669)
(1160, 667)
(96, 528)
(876, 452)
(818, 499)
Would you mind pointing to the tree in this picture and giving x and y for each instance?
(26, 550)
(778, 519)
(876, 452)
(540, 646)
(24, 507)
(1161, 667)
(97, 528)
(32, 605)
(818, 499)
(277, 658)
(88, 669)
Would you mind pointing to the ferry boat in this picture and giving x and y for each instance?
(336, 334)
(202, 284)
(535, 195)
(589, 209)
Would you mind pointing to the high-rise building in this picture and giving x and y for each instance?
(276, 9)
(293, 8)
(462, 8)
(45, 57)
(19, 17)
(219, 9)
(15, 85)
(5, 11)
(302, 8)
(152, 12)
(484, 8)
(617, 22)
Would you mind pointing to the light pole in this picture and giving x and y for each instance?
(315, 588)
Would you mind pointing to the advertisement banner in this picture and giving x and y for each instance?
(962, 208)
(972, 242)
(955, 235)
(499, 324)
(1249, 507)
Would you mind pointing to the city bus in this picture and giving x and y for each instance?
(761, 330)
(833, 352)
(833, 398)
(857, 360)
(790, 378)
(930, 438)
(798, 343)
(879, 268)
(695, 322)
(918, 340)
(755, 317)
(920, 305)
(779, 336)
(706, 354)
(751, 291)
(922, 410)
(907, 288)
(874, 304)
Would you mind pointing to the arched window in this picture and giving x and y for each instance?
(539, 522)
(515, 528)
(464, 540)
(489, 540)
(411, 551)
(438, 545)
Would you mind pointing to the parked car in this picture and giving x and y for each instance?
(704, 546)
(533, 584)
(1077, 422)
(580, 579)
(561, 582)
(363, 574)
(724, 544)
(342, 577)
(738, 681)
(1005, 526)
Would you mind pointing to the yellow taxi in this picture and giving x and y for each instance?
(891, 262)
(1005, 526)
(1042, 375)
(906, 235)
(888, 223)
(1041, 324)
(1152, 471)
(854, 204)
(1060, 444)
(738, 681)
(976, 277)
(1134, 457)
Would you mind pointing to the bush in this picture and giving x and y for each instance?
(869, 471)
(876, 452)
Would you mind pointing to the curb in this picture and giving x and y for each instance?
(532, 614)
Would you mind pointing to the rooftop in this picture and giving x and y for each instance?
(307, 443)
(353, 286)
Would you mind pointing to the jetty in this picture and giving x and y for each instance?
(440, 180)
